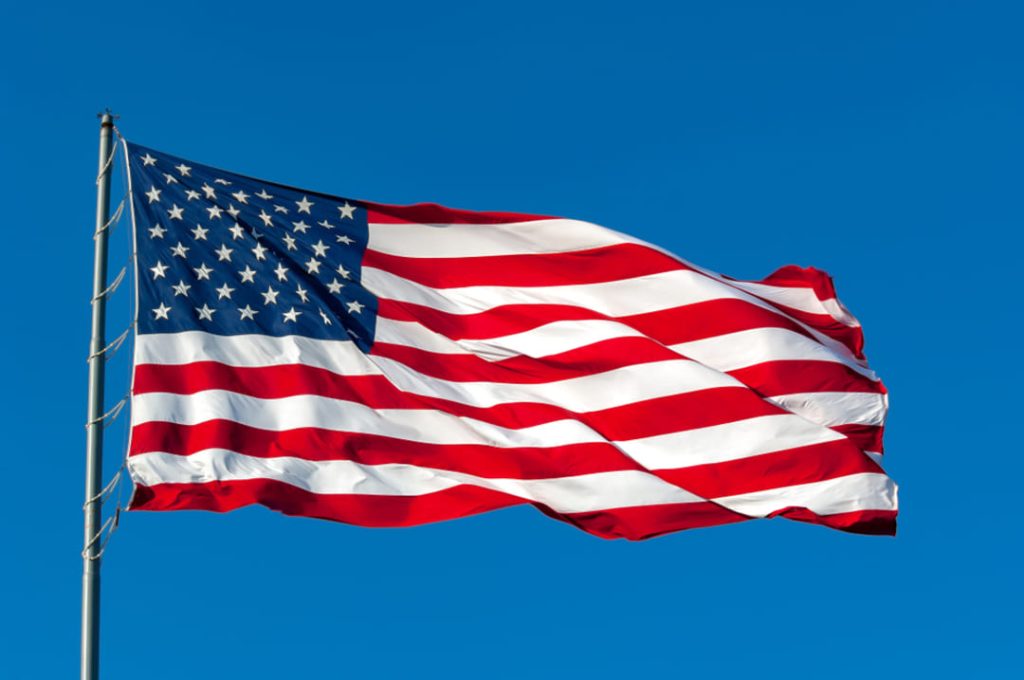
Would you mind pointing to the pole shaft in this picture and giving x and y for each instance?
(94, 428)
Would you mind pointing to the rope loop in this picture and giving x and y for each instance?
(114, 345)
(108, 528)
(110, 416)
(110, 160)
(114, 220)
(109, 290)
(107, 490)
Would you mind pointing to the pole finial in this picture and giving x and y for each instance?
(107, 117)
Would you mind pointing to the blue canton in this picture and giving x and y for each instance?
(231, 255)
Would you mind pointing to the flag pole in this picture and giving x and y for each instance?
(94, 425)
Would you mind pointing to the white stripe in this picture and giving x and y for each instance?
(726, 352)
(742, 349)
(701, 446)
(339, 356)
(595, 392)
(579, 493)
(474, 240)
(287, 413)
(547, 340)
(728, 441)
(799, 298)
(624, 297)
(564, 235)
(862, 491)
(836, 408)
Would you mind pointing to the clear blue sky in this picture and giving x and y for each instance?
(879, 141)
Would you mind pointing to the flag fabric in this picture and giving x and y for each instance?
(397, 365)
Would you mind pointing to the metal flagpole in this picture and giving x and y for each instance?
(94, 425)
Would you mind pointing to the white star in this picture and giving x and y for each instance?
(209, 191)
(192, 194)
(264, 195)
(237, 232)
(260, 252)
(161, 312)
(148, 160)
(270, 297)
(224, 253)
(302, 293)
(282, 272)
(153, 194)
(304, 205)
(183, 169)
(202, 272)
(300, 227)
(291, 315)
(335, 286)
(347, 210)
(156, 231)
(290, 242)
(199, 233)
(224, 291)
(344, 239)
(327, 321)
(170, 178)
(158, 270)
(267, 219)
(233, 211)
(241, 196)
(175, 212)
(205, 312)
(222, 181)
(248, 275)
(345, 274)
(320, 249)
(180, 250)
(313, 266)
(215, 212)
(325, 224)
(281, 209)
(248, 312)
(355, 307)
(181, 288)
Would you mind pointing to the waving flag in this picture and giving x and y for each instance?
(391, 366)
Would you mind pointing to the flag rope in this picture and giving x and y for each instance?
(114, 345)
(113, 285)
(114, 219)
(110, 416)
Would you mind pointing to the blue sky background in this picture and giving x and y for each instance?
(879, 141)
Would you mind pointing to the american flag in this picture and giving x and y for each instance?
(396, 365)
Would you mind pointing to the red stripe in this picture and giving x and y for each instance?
(672, 413)
(361, 509)
(867, 437)
(775, 378)
(767, 379)
(320, 445)
(670, 326)
(824, 289)
(613, 263)
(801, 465)
(633, 523)
(432, 213)
(599, 357)
(874, 522)
(594, 265)
(647, 521)
(687, 323)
